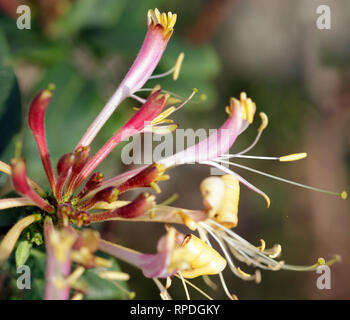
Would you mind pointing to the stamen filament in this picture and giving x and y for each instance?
(185, 287)
(196, 288)
(163, 292)
(137, 98)
(341, 194)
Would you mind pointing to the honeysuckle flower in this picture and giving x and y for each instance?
(160, 29)
(216, 220)
(176, 253)
(80, 197)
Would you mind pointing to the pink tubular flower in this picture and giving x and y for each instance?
(176, 253)
(58, 262)
(215, 145)
(160, 29)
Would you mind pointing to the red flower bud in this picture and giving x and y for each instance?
(20, 183)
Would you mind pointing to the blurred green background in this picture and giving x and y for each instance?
(297, 74)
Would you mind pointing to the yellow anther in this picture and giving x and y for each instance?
(114, 275)
(167, 21)
(151, 214)
(78, 296)
(263, 245)
(74, 276)
(173, 100)
(101, 262)
(293, 157)
(275, 251)
(243, 96)
(243, 274)
(264, 121)
(248, 107)
(344, 195)
(162, 116)
(321, 261)
(168, 283)
(155, 187)
(187, 221)
(178, 65)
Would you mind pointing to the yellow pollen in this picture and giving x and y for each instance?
(178, 65)
(167, 21)
(264, 121)
(263, 245)
(114, 275)
(293, 157)
(242, 273)
(162, 117)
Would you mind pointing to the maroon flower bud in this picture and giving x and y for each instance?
(141, 180)
(109, 194)
(81, 157)
(64, 164)
(136, 208)
(93, 182)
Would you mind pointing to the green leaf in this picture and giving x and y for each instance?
(102, 289)
(10, 99)
(23, 252)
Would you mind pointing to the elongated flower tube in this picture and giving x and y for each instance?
(148, 111)
(216, 144)
(187, 254)
(36, 119)
(160, 29)
(20, 183)
(59, 245)
(134, 209)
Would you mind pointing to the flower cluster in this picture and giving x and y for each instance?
(81, 196)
